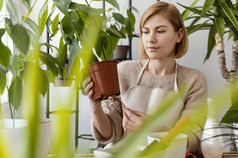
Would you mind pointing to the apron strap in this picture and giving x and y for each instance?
(138, 78)
(175, 79)
(141, 73)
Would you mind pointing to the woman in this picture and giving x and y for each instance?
(145, 82)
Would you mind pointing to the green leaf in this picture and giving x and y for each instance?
(63, 5)
(187, 12)
(1, 4)
(230, 15)
(207, 5)
(20, 38)
(236, 5)
(77, 22)
(135, 9)
(42, 17)
(114, 32)
(5, 52)
(131, 17)
(29, 10)
(211, 42)
(3, 80)
(129, 28)
(43, 81)
(33, 26)
(220, 25)
(118, 17)
(74, 50)
(27, 3)
(15, 92)
(114, 3)
(191, 9)
(15, 14)
(48, 21)
(198, 27)
(62, 55)
(49, 61)
(50, 76)
(86, 9)
(55, 23)
(67, 25)
(8, 25)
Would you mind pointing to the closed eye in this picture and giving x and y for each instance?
(160, 32)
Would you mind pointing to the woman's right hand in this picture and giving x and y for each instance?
(88, 87)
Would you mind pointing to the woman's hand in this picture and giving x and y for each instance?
(132, 119)
(88, 88)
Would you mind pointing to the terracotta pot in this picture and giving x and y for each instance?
(105, 78)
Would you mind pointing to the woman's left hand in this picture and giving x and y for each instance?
(132, 119)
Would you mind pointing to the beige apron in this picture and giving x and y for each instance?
(145, 99)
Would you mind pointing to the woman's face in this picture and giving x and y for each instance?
(159, 37)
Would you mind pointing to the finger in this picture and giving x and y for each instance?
(127, 124)
(138, 113)
(86, 82)
(132, 116)
(88, 88)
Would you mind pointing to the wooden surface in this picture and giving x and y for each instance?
(225, 155)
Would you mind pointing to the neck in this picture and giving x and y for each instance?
(159, 67)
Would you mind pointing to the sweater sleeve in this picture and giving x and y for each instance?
(196, 109)
(112, 108)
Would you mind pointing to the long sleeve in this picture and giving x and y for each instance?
(113, 110)
(196, 110)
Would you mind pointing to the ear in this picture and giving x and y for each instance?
(180, 36)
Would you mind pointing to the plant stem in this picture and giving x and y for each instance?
(87, 3)
(221, 56)
(235, 55)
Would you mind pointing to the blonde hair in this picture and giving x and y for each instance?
(174, 16)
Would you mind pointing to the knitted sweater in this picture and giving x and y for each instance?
(195, 96)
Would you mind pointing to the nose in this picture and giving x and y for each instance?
(152, 38)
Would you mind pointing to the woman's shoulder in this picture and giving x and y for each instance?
(187, 74)
(129, 66)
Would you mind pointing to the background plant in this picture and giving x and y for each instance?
(220, 17)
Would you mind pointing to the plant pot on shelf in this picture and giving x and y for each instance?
(105, 78)
(120, 52)
(44, 138)
(13, 136)
(60, 81)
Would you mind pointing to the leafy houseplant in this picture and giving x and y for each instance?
(24, 33)
(80, 20)
(220, 17)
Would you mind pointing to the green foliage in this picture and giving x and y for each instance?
(3, 79)
(14, 12)
(5, 52)
(213, 15)
(42, 17)
(20, 38)
(1, 4)
(15, 92)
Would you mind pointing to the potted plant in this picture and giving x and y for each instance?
(220, 17)
(88, 32)
(25, 35)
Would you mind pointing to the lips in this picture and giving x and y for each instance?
(152, 48)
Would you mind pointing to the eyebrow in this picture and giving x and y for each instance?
(157, 27)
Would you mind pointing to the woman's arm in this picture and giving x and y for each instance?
(100, 120)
